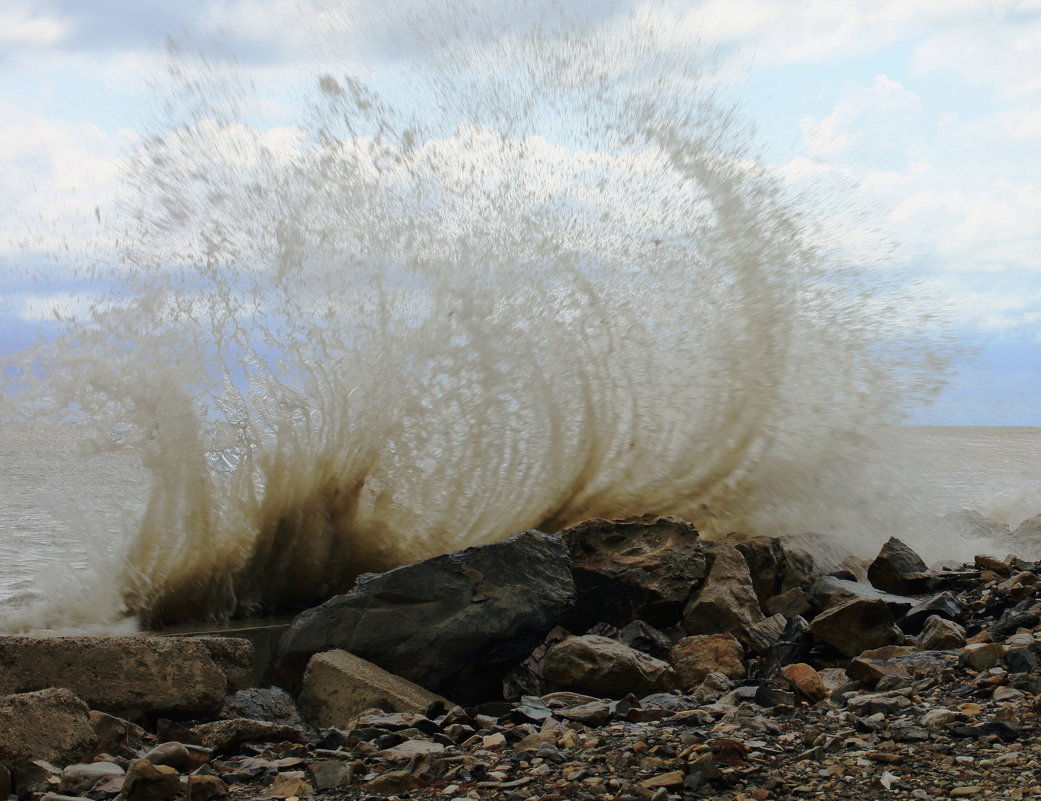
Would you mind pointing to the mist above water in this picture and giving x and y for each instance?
(547, 281)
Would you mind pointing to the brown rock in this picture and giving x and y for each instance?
(395, 782)
(727, 602)
(206, 788)
(898, 569)
(805, 680)
(603, 666)
(49, 724)
(227, 735)
(693, 658)
(291, 784)
(981, 656)
(117, 736)
(674, 778)
(855, 626)
(182, 674)
(147, 782)
(870, 669)
(765, 558)
(173, 754)
(940, 634)
(984, 562)
(790, 603)
(338, 686)
(639, 567)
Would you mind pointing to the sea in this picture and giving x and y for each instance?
(521, 284)
(69, 513)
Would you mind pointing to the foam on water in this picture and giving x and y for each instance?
(564, 289)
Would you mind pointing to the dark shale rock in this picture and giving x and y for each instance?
(944, 604)
(761, 637)
(644, 637)
(856, 626)
(828, 591)
(453, 624)
(792, 646)
(1013, 620)
(898, 569)
(637, 568)
(1020, 660)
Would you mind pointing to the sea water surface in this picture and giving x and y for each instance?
(64, 506)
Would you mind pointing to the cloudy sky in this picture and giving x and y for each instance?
(928, 111)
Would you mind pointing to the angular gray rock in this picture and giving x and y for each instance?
(944, 604)
(78, 778)
(338, 686)
(601, 666)
(272, 704)
(453, 624)
(828, 591)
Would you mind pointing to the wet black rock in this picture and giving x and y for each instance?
(944, 604)
(453, 624)
(898, 569)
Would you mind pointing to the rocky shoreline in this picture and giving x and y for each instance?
(617, 660)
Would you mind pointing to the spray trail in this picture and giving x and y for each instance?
(381, 335)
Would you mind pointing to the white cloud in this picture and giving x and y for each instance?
(59, 179)
(875, 123)
(21, 27)
(1002, 51)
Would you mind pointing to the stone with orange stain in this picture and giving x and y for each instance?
(805, 680)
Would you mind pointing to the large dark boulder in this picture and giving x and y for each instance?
(899, 570)
(636, 568)
(453, 624)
